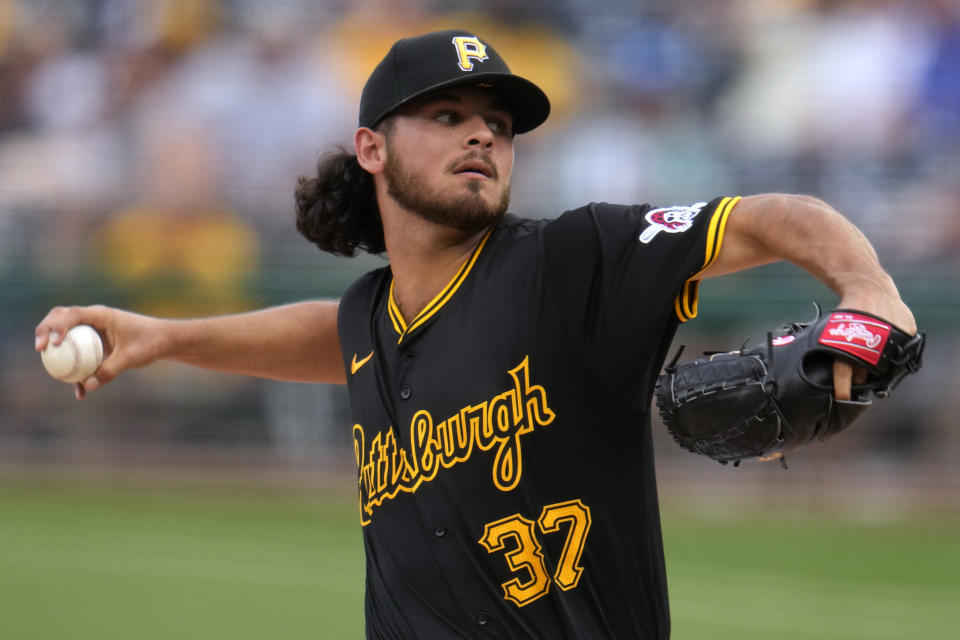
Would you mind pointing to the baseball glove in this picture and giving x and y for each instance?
(765, 401)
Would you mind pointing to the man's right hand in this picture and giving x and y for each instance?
(130, 340)
(297, 342)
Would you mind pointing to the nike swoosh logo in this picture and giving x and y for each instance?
(356, 364)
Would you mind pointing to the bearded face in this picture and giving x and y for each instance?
(465, 209)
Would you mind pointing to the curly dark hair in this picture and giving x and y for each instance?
(337, 210)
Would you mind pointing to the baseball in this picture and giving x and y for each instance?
(77, 357)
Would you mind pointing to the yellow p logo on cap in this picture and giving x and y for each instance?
(469, 48)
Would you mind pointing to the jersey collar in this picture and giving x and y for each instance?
(393, 310)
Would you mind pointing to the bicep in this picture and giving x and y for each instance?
(324, 359)
(745, 240)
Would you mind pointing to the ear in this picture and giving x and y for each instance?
(371, 149)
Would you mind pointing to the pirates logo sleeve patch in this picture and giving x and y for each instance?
(675, 219)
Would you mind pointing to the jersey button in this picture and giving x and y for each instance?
(439, 530)
(482, 618)
(405, 392)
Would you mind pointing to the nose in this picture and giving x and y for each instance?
(479, 133)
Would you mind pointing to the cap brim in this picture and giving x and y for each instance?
(527, 103)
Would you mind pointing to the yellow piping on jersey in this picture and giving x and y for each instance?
(685, 304)
(401, 327)
(394, 312)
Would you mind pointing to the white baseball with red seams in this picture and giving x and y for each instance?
(77, 357)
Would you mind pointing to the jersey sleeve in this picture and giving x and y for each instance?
(626, 276)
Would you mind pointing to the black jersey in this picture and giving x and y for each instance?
(502, 436)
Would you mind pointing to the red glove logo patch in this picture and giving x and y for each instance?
(860, 336)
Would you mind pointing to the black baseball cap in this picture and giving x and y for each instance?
(416, 66)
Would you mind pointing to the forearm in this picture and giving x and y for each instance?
(813, 235)
(295, 342)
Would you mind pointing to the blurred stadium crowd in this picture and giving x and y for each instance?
(149, 150)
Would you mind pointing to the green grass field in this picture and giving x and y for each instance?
(92, 561)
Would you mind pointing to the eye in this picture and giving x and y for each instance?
(447, 117)
(499, 126)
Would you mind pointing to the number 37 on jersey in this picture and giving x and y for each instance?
(517, 537)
